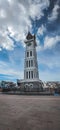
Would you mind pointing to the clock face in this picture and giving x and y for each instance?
(29, 44)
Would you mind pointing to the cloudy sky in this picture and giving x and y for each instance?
(41, 17)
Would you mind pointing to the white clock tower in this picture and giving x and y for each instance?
(31, 80)
(30, 66)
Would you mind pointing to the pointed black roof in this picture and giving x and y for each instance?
(29, 36)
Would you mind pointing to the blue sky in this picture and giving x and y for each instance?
(41, 17)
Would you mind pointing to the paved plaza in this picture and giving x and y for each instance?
(29, 112)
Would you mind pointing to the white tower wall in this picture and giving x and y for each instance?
(30, 65)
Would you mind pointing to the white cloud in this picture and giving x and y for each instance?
(49, 61)
(54, 13)
(36, 8)
(0, 49)
(48, 76)
(10, 71)
(15, 16)
(39, 47)
(2, 13)
(49, 42)
(41, 30)
(35, 11)
(5, 41)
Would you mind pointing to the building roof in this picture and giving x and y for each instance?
(29, 36)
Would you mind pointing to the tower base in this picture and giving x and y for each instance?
(30, 86)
